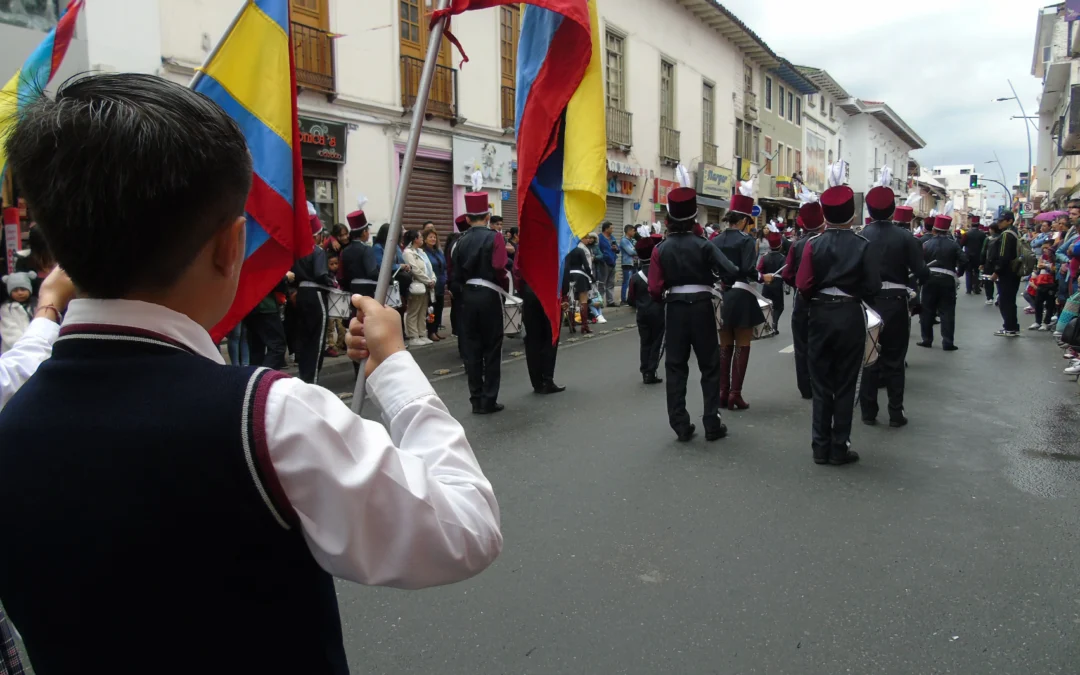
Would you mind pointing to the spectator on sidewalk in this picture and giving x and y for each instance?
(511, 246)
(605, 266)
(335, 328)
(17, 311)
(238, 347)
(420, 289)
(266, 332)
(40, 260)
(629, 258)
(999, 264)
(438, 266)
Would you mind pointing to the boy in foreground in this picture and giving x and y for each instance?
(195, 513)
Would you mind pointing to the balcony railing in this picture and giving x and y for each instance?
(619, 128)
(669, 145)
(313, 51)
(509, 108)
(442, 101)
(708, 154)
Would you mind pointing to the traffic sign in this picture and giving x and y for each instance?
(1027, 208)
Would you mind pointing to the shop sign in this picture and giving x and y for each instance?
(493, 160)
(663, 187)
(714, 181)
(624, 169)
(322, 140)
(615, 186)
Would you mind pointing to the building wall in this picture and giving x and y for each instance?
(780, 130)
(865, 136)
(833, 130)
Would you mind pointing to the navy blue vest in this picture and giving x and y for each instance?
(144, 529)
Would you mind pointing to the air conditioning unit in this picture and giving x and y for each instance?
(1070, 141)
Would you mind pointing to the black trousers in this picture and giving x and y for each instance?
(438, 305)
(971, 278)
(692, 325)
(777, 297)
(836, 340)
(650, 328)
(310, 332)
(988, 286)
(1008, 287)
(456, 296)
(481, 340)
(1045, 303)
(892, 350)
(939, 300)
(800, 325)
(266, 340)
(540, 353)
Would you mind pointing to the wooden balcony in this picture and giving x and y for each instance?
(669, 146)
(708, 154)
(619, 129)
(509, 108)
(313, 51)
(442, 101)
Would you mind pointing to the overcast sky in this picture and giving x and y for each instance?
(938, 63)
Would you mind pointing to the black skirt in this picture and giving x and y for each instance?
(579, 283)
(741, 309)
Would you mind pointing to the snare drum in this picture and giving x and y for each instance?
(873, 337)
(765, 330)
(512, 315)
(337, 305)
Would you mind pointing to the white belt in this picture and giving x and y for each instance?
(581, 273)
(365, 282)
(312, 284)
(833, 290)
(890, 286)
(942, 270)
(744, 286)
(644, 278)
(691, 288)
(495, 287)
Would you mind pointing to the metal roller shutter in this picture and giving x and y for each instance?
(614, 213)
(510, 207)
(430, 197)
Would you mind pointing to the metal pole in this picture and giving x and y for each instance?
(393, 235)
(1027, 130)
(217, 47)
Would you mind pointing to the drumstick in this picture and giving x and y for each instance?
(779, 270)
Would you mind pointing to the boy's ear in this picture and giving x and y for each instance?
(229, 246)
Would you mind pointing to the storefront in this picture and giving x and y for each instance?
(624, 189)
(322, 149)
(430, 196)
(660, 198)
(714, 186)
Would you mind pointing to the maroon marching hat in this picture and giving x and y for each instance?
(742, 204)
(975, 221)
(775, 239)
(462, 223)
(358, 222)
(942, 223)
(880, 202)
(682, 205)
(645, 246)
(904, 214)
(811, 216)
(838, 205)
(476, 204)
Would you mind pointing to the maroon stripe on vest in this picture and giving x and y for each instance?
(92, 329)
(261, 447)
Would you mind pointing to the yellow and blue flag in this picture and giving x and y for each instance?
(252, 76)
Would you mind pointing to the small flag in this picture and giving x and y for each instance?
(253, 77)
(30, 81)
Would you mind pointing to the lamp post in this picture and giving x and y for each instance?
(1027, 131)
(1001, 168)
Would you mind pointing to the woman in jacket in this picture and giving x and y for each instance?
(438, 265)
(423, 282)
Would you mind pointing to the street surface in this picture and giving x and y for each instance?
(952, 547)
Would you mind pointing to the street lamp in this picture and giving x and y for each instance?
(1027, 130)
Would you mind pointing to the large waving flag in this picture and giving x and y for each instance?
(252, 76)
(562, 141)
(31, 80)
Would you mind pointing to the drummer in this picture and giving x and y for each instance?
(812, 221)
(837, 270)
(741, 312)
(684, 267)
(901, 258)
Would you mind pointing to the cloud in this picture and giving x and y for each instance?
(938, 63)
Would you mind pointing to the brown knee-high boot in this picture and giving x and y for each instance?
(738, 374)
(726, 353)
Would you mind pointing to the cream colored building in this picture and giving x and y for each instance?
(1055, 61)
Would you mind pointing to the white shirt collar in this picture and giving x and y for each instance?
(144, 316)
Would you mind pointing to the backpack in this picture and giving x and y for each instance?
(1071, 334)
(1024, 263)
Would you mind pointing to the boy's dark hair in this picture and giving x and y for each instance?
(495, 220)
(605, 227)
(128, 177)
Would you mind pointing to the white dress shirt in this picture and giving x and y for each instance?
(22, 360)
(405, 506)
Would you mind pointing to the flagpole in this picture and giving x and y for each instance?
(200, 71)
(393, 236)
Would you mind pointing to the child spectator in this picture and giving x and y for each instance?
(335, 328)
(18, 310)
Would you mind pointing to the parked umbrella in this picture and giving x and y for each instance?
(1050, 216)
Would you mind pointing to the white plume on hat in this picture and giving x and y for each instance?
(311, 209)
(361, 200)
(837, 172)
(886, 177)
(913, 199)
(772, 227)
(683, 175)
(948, 208)
(807, 196)
(933, 213)
(746, 188)
(477, 181)
(645, 230)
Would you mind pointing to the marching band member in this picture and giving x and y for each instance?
(837, 270)
(900, 256)
(973, 246)
(812, 220)
(650, 313)
(770, 264)
(741, 312)
(685, 266)
(944, 258)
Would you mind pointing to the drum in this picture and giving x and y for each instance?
(393, 295)
(512, 315)
(337, 305)
(873, 337)
(765, 330)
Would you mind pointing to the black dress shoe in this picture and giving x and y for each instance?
(488, 409)
(651, 378)
(551, 388)
(950, 348)
(716, 434)
(806, 397)
(847, 457)
(896, 422)
(869, 421)
(685, 436)
(928, 345)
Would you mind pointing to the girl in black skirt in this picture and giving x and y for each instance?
(741, 312)
(578, 280)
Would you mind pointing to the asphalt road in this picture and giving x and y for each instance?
(952, 547)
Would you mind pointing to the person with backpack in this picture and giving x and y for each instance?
(1005, 264)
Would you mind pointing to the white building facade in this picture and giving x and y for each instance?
(1056, 170)
(826, 128)
(957, 179)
